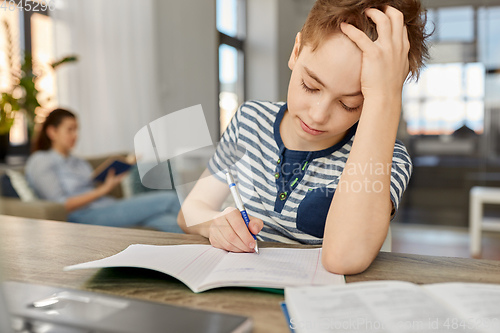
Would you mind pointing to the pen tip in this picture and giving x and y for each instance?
(256, 248)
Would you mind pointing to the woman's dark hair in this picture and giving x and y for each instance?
(54, 118)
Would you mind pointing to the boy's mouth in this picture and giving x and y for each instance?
(308, 129)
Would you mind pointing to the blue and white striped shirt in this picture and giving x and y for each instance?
(293, 211)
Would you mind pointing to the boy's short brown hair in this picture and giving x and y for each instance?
(326, 15)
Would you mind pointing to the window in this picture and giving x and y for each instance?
(10, 66)
(455, 24)
(231, 27)
(451, 89)
(446, 97)
(29, 32)
(10, 44)
(489, 38)
(42, 42)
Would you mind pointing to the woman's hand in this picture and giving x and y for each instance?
(112, 180)
(385, 63)
(229, 232)
(81, 200)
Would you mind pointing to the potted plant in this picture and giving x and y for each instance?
(23, 96)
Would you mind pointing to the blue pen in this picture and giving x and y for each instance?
(239, 204)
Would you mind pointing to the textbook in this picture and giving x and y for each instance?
(204, 267)
(118, 163)
(395, 306)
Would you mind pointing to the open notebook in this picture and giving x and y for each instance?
(395, 307)
(204, 267)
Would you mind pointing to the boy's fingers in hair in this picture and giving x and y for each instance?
(255, 225)
(406, 40)
(397, 23)
(406, 50)
(383, 23)
(357, 36)
(241, 236)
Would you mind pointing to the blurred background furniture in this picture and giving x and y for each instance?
(42, 209)
(478, 196)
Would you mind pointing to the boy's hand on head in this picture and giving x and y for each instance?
(229, 232)
(385, 63)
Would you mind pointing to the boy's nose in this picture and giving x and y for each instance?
(318, 113)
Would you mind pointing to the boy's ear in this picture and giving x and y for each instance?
(295, 52)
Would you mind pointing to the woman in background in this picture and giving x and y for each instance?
(56, 175)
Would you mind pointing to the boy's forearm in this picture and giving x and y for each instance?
(197, 212)
(359, 214)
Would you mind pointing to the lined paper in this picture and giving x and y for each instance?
(273, 267)
(478, 302)
(188, 263)
(369, 307)
(202, 267)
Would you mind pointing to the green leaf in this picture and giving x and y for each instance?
(67, 59)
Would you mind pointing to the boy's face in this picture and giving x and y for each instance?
(324, 93)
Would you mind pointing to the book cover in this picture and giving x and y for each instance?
(118, 164)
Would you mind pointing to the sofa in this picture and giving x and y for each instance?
(47, 210)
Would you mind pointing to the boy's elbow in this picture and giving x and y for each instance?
(343, 263)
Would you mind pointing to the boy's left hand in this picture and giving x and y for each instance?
(385, 63)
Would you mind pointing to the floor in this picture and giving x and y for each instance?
(447, 241)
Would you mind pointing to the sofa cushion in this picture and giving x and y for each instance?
(7, 189)
(19, 183)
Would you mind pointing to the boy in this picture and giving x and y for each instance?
(309, 179)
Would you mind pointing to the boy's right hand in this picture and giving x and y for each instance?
(229, 232)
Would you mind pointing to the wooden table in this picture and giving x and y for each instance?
(36, 251)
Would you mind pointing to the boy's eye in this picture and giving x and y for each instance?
(349, 108)
(307, 89)
(310, 90)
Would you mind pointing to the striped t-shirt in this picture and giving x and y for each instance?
(293, 211)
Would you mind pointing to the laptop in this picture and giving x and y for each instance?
(30, 308)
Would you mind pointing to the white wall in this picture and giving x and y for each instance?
(112, 88)
(271, 29)
(184, 43)
(261, 50)
(291, 17)
(187, 52)
(138, 61)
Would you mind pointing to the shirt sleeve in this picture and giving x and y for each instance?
(42, 176)
(227, 152)
(401, 170)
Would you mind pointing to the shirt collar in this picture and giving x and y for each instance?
(59, 155)
(313, 154)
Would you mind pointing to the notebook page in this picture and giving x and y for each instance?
(188, 263)
(273, 268)
(368, 307)
(478, 303)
